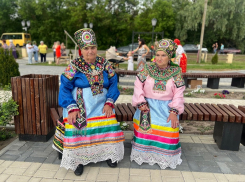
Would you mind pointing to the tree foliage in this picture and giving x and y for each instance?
(114, 20)
(224, 22)
(8, 67)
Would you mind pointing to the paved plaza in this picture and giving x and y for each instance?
(23, 161)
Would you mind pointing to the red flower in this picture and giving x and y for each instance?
(215, 94)
(224, 96)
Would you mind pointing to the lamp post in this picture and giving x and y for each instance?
(153, 22)
(26, 24)
(86, 25)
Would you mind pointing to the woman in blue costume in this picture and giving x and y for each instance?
(88, 91)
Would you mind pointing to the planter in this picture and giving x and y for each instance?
(35, 95)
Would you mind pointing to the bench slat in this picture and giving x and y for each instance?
(231, 117)
(212, 115)
(189, 114)
(194, 113)
(205, 113)
(132, 109)
(224, 115)
(184, 115)
(129, 113)
(242, 108)
(118, 114)
(199, 113)
(238, 117)
(124, 113)
(239, 112)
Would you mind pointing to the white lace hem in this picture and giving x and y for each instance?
(73, 157)
(162, 160)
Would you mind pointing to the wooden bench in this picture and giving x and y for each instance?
(238, 79)
(229, 120)
(242, 108)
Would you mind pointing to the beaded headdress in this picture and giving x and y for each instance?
(85, 37)
(168, 46)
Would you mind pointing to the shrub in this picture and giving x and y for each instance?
(215, 59)
(8, 108)
(8, 67)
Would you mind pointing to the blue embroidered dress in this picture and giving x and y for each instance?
(87, 87)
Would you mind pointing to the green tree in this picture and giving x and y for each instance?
(162, 10)
(9, 21)
(8, 67)
(224, 22)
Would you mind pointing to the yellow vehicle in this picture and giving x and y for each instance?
(19, 39)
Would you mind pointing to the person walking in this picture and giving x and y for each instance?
(13, 48)
(54, 50)
(35, 51)
(29, 49)
(58, 52)
(222, 48)
(143, 50)
(43, 51)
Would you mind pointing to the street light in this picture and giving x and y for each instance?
(86, 25)
(26, 24)
(153, 22)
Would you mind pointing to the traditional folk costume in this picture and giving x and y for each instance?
(87, 87)
(155, 141)
(181, 57)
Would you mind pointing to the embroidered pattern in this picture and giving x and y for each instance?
(93, 72)
(70, 72)
(161, 76)
(82, 121)
(173, 110)
(109, 69)
(85, 37)
(141, 105)
(159, 85)
(178, 80)
(145, 122)
(72, 107)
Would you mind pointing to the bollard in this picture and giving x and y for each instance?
(229, 58)
(23, 52)
(204, 56)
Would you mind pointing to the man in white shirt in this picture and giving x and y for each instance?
(29, 49)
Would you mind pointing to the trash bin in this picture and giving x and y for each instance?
(35, 94)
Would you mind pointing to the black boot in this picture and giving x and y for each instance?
(110, 164)
(79, 170)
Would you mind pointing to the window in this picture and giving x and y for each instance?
(17, 36)
(27, 36)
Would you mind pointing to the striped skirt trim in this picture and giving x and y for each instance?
(99, 130)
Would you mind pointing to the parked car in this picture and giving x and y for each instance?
(231, 50)
(125, 49)
(192, 48)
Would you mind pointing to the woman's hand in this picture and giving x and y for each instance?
(107, 110)
(174, 120)
(73, 116)
(144, 108)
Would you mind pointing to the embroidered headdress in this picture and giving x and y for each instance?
(85, 37)
(168, 46)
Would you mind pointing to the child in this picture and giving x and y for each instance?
(130, 61)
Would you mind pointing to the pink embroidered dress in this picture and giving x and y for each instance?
(155, 141)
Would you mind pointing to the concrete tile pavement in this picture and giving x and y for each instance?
(201, 162)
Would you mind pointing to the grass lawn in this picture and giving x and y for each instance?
(238, 63)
